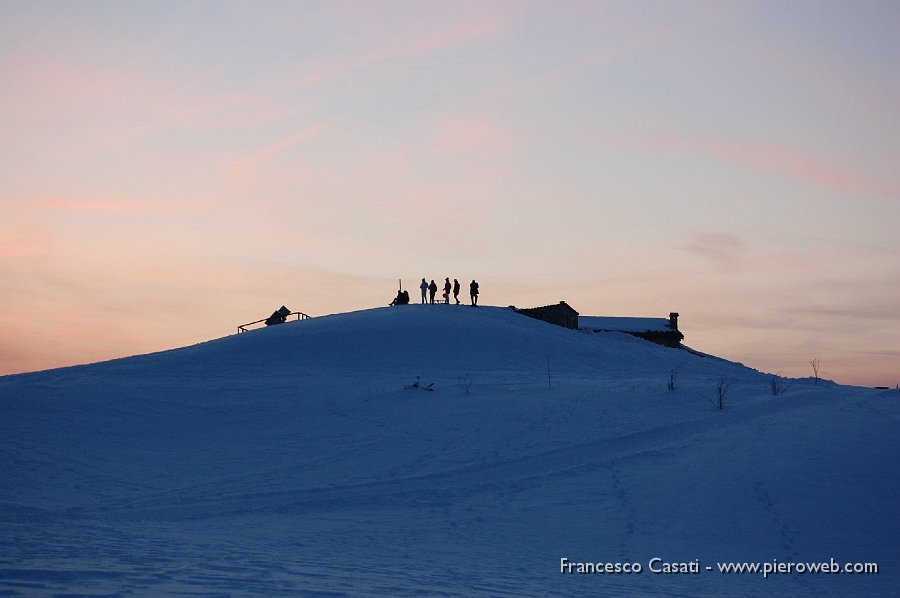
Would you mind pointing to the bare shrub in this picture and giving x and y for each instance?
(672, 379)
(722, 387)
(778, 385)
(815, 366)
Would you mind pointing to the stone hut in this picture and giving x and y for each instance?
(560, 314)
(662, 331)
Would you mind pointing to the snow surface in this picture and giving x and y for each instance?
(292, 461)
(620, 324)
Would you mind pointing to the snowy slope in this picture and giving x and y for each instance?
(292, 461)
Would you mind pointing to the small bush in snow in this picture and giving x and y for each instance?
(778, 386)
(815, 366)
(671, 381)
(722, 387)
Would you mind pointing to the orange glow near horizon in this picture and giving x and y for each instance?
(184, 171)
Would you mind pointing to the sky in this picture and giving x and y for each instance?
(170, 170)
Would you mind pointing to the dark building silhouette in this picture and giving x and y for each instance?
(278, 316)
(661, 331)
(560, 314)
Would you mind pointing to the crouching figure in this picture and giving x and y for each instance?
(402, 298)
(278, 316)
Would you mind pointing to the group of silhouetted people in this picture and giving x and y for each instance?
(429, 290)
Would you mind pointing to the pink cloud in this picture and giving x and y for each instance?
(554, 77)
(122, 206)
(245, 168)
(472, 134)
(606, 57)
(43, 87)
(226, 109)
(26, 240)
(460, 31)
(844, 88)
(767, 157)
(120, 106)
(142, 303)
(437, 29)
(452, 207)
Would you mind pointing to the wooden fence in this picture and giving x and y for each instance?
(300, 316)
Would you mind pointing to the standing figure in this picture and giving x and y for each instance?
(456, 290)
(447, 287)
(424, 287)
(473, 292)
(432, 289)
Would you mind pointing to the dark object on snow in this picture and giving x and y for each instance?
(418, 384)
(662, 331)
(456, 290)
(473, 292)
(278, 316)
(402, 298)
(560, 314)
(432, 289)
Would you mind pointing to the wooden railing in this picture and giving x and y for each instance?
(300, 316)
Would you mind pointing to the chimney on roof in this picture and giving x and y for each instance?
(673, 320)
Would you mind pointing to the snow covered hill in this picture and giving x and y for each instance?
(293, 460)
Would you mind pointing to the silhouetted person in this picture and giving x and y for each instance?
(424, 287)
(447, 287)
(432, 289)
(456, 290)
(402, 298)
(278, 316)
(473, 292)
